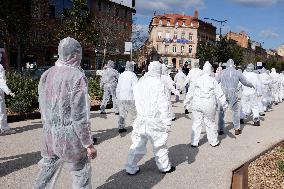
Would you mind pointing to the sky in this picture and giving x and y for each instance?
(263, 20)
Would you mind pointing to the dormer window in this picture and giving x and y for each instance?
(183, 24)
(160, 22)
(191, 24)
(176, 24)
(168, 23)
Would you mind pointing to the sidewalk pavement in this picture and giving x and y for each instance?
(201, 168)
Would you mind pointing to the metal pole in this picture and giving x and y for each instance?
(131, 53)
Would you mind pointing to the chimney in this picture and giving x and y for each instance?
(195, 13)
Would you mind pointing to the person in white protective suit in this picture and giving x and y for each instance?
(169, 83)
(281, 86)
(108, 84)
(4, 89)
(275, 86)
(203, 96)
(229, 79)
(124, 93)
(179, 80)
(192, 75)
(65, 109)
(266, 89)
(251, 96)
(219, 70)
(153, 121)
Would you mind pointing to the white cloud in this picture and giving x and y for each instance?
(258, 3)
(124, 2)
(268, 33)
(148, 7)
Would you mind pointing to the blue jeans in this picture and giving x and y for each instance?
(236, 117)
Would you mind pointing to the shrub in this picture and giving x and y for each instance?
(25, 88)
(94, 88)
(281, 165)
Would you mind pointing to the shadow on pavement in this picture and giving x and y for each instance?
(181, 115)
(149, 175)
(18, 162)
(27, 128)
(103, 135)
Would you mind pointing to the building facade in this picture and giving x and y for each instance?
(280, 50)
(174, 37)
(46, 20)
(242, 39)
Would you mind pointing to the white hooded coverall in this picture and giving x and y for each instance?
(250, 96)
(153, 120)
(108, 84)
(179, 81)
(169, 84)
(3, 89)
(275, 86)
(65, 111)
(124, 93)
(203, 96)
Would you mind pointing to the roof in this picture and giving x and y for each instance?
(174, 16)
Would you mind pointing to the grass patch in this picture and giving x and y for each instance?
(281, 165)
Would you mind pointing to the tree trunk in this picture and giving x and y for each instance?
(19, 57)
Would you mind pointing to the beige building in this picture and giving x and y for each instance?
(174, 37)
(280, 50)
(241, 38)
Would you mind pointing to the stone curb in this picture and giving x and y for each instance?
(36, 115)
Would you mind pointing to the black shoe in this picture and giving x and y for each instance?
(262, 114)
(103, 113)
(221, 132)
(215, 145)
(172, 169)
(95, 140)
(122, 130)
(193, 146)
(186, 112)
(276, 103)
(174, 119)
(116, 113)
(256, 123)
(242, 121)
(134, 173)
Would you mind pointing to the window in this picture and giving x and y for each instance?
(176, 24)
(160, 22)
(159, 35)
(167, 48)
(100, 5)
(174, 49)
(168, 35)
(168, 23)
(190, 49)
(191, 24)
(182, 49)
(117, 12)
(175, 35)
(183, 35)
(190, 37)
(125, 13)
(183, 24)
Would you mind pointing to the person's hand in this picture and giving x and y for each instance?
(12, 94)
(92, 152)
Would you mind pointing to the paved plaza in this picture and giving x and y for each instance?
(201, 168)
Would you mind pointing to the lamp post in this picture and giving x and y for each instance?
(219, 21)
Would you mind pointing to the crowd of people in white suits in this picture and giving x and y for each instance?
(65, 109)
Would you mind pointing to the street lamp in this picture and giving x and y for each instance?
(219, 21)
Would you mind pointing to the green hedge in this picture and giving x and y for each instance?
(26, 89)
